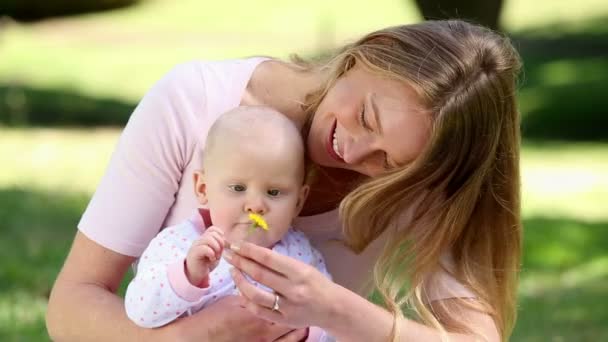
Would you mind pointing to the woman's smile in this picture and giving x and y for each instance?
(332, 144)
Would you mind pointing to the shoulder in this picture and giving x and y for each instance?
(184, 103)
(199, 77)
(443, 285)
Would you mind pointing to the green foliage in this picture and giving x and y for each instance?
(24, 106)
(562, 88)
(564, 83)
(39, 9)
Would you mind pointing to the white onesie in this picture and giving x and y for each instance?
(161, 292)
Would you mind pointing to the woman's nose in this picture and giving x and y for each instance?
(356, 150)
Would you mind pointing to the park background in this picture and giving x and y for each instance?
(69, 83)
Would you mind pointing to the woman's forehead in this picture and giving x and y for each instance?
(395, 94)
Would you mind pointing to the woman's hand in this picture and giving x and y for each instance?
(233, 323)
(92, 274)
(305, 295)
(296, 335)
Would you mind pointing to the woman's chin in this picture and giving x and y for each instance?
(327, 161)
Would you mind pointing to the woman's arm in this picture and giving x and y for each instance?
(83, 306)
(357, 319)
(308, 298)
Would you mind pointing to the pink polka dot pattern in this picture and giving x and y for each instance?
(159, 303)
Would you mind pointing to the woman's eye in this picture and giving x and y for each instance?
(237, 188)
(274, 192)
(362, 119)
(387, 164)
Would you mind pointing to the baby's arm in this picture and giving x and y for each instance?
(161, 291)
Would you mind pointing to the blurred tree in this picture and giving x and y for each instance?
(30, 10)
(484, 12)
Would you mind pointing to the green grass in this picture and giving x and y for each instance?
(93, 53)
(92, 70)
(568, 180)
(564, 279)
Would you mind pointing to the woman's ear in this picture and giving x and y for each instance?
(302, 196)
(200, 187)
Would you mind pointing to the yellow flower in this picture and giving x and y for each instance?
(258, 221)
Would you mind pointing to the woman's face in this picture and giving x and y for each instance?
(368, 124)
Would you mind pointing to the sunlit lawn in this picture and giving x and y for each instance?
(565, 279)
(120, 53)
(92, 69)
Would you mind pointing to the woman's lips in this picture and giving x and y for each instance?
(329, 144)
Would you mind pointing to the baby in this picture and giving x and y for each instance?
(253, 163)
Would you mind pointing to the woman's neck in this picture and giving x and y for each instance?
(281, 86)
(328, 189)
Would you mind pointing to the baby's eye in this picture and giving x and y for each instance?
(274, 192)
(237, 187)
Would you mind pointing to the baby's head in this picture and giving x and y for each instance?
(253, 162)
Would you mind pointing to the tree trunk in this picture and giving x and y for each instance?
(484, 12)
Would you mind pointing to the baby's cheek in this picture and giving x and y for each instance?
(222, 218)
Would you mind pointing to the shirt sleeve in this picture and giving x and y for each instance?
(139, 186)
(443, 285)
(160, 291)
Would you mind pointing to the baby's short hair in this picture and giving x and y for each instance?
(258, 125)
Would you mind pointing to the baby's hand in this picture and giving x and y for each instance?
(204, 255)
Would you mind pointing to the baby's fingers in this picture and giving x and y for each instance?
(215, 229)
(218, 235)
(210, 241)
(207, 252)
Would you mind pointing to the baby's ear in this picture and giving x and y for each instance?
(200, 187)
(302, 196)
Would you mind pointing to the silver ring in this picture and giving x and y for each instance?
(275, 307)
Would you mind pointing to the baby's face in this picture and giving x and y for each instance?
(252, 180)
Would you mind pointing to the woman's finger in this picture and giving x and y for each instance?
(259, 272)
(251, 292)
(274, 261)
(242, 325)
(296, 335)
(262, 311)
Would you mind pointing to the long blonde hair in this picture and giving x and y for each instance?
(465, 183)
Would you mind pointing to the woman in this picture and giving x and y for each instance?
(415, 132)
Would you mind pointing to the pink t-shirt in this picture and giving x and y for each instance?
(149, 184)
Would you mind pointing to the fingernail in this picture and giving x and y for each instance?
(235, 246)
